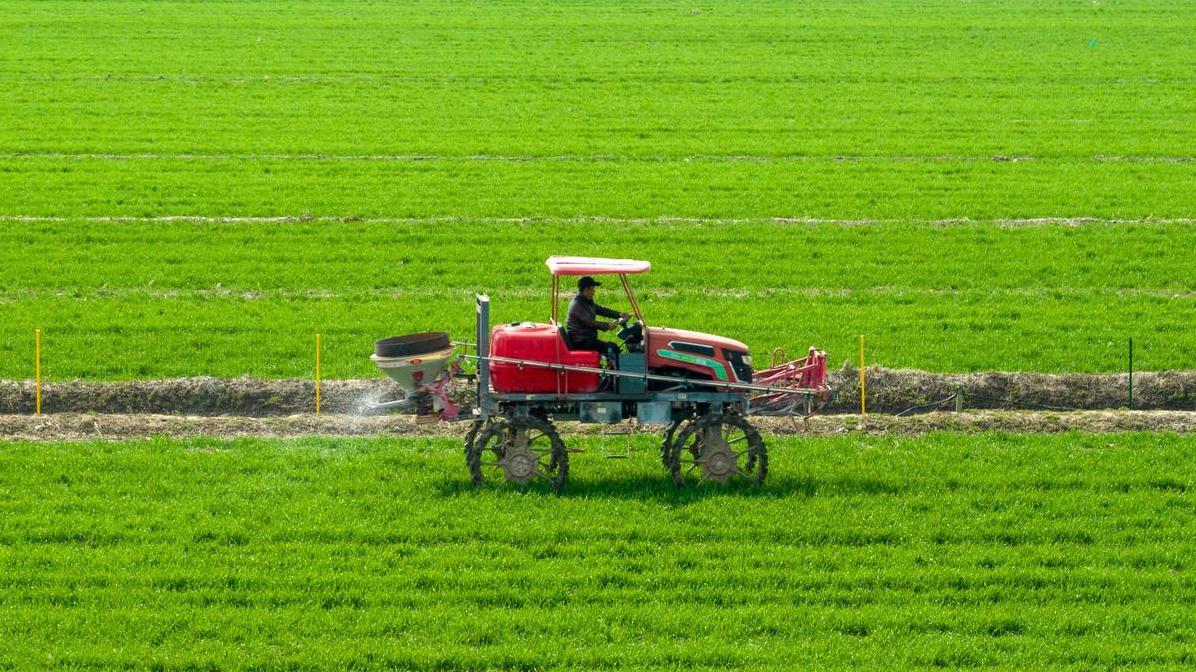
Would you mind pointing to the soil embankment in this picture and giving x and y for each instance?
(889, 391)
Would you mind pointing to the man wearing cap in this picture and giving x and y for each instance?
(583, 324)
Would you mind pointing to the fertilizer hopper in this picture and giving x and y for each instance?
(421, 365)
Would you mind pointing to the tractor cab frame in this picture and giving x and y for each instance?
(698, 386)
(578, 266)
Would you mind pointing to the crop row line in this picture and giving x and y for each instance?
(664, 219)
(586, 158)
(517, 73)
(219, 292)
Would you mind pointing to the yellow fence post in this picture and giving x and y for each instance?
(317, 374)
(37, 365)
(863, 382)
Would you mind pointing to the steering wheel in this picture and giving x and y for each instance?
(630, 331)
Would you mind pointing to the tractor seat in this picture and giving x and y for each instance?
(564, 338)
(570, 348)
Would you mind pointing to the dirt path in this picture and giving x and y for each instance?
(889, 391)
(75, 426)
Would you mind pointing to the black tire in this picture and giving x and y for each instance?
(495, 442)
(750, 462)
(412, 344)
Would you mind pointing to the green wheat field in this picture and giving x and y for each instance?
(1068, 551)
(973, 185)
(197, 188)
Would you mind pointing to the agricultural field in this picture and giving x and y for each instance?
(226, 299)
(190, 191)
(876, 553)
(195, 188)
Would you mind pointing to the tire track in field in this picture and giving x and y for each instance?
(583, 158)
(537, 293)
(663, 220)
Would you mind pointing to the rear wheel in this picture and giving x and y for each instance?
(475, 428)
(720, 447)
(519, 450)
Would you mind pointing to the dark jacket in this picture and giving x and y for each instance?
(583, 324)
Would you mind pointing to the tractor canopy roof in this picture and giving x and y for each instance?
(595, 266)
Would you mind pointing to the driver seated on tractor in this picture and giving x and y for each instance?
(583, 325)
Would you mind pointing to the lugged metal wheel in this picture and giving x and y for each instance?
(519, 450)
(719, 447)
(670, 433)
(475, 428)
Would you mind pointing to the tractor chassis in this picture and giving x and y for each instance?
(513, 437)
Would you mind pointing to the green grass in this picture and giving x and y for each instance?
(674, 187)
(644, 79)
(135, 300)
(1067, 551)
(444, 121)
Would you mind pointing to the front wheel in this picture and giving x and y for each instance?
(719, 447)
(670, 435)
(519, 450)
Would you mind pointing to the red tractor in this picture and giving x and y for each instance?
(674, 353)
(700, 386)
